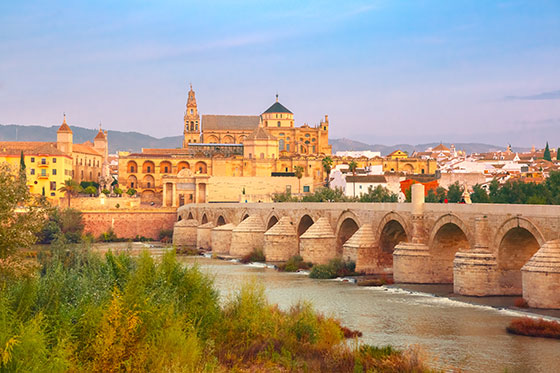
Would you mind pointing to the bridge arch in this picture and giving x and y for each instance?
(348, 223)
(304, 223)
(449, 235)
(396, 218)
(204, 218)
(190, 215)
(517, 240)
(271, 220)
(220, 221)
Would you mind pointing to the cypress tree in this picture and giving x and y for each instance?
(558, 154)
(22, 167)
(546, 154)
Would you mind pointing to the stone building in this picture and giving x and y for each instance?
(49, 164)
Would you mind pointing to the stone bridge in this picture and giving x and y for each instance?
(483, 249)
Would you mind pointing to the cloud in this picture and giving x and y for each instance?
(552, 95)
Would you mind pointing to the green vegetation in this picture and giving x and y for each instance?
(118, 191)
(65, 224)
(335, 268)
(91, 190)
(166, 235)
(293, 264)
(327, 163)
(546, 154)
(131, 192)
(256, 255)
(378, 194)
(84, 312)
(71, 188)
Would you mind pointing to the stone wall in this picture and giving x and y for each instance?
(100, 203)
(129, 224)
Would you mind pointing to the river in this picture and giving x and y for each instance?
(452, 333)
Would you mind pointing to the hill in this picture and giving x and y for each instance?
(134, 141)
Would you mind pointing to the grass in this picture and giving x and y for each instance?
(534, 327)
(294, 264)
(257, 255)
(77, 311)
(335, 268)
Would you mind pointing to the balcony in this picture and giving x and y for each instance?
(43, 164)
(43, 176)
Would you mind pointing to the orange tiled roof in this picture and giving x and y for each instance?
(85, 149)
(29, 148)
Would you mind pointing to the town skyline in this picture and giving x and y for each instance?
(384, 72)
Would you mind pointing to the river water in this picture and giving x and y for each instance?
(452, 333)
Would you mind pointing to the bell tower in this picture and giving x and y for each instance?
(191, 121)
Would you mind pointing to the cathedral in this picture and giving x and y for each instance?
(230, 158)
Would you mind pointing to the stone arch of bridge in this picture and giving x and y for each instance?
(204, 219)
(348, 223)
(190, 216)
(396, 218)
(271, 220)
(392, 230)
(516, 222)
(304, 223)
(242, 215)
(449, 235)
(221, 220)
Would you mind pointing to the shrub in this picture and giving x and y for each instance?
(66, 224)
(335, 268)
(131, 192)
(110, 236)
(257, 255)
(166, 235)
(294, 263)
(534, 327)
(106, 192)
(118, 191)
(91, 190)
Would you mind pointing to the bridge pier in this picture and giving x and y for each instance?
(412, 262)
(362, 249)
(280, 241)
(318, 244)
(541, 277)
(475, 272)
(204, 236)
(247, 236)
(184, 233)
(221, 239)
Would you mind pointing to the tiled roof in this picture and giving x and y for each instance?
(230, 122)
(29, 148)
(100, 135)
(260, 134)
(277, 108)
(85, 149)
(440, 147)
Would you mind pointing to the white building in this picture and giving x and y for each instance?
(358, 154)
(360, 184)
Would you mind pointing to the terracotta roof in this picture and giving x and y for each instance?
(366, 179)
(85, 149)
(230, 122)
(440, 147)
(64, 127)
(100, 135)
(396, 152)
(260, 134)
(29, 148)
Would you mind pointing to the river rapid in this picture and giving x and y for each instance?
(452, 333)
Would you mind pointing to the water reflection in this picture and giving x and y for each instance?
(453, 333)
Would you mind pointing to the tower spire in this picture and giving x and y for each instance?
(276, 96)
(64, 121)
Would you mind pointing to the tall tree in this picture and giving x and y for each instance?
(299, 174)
(558, 154)
(546, 154)
(455, 192)
(22, 174)
(71, 188)
(327, 166)
(21, 214)
(352, 166)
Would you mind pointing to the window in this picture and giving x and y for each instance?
(32, 159)
(32, 170)
(43, 161)
(54, 171)
(149, 169)
(89, 163)
(288, 147)
(278, 123)
(307, 135)
(54, 160)
(132, 184)
(314, 149)
(52, 194)
(148, 184)
(422, 170)
(43, 172)
(53, 185)
(281, 134)
(306, 189)
(281, 144)
(313, 139)
(166, 170)
(90, 175)
(191, 111)
(131, 169)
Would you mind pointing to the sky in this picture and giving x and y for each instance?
(387, 71)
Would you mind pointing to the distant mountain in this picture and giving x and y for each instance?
(118, 140)
(348, 144)
(134, 141)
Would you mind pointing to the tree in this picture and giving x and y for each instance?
(22, 174)
(455, 193)
(546, 155)
(558, 154)
(91, 190)
(352, 166)
(479, 195)
(71, 188)
(21, 214)
(379, 194)
(327, 166)
(299, 174)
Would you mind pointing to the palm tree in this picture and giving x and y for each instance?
(299, 174)
(71, 188)
(327, 166)
(352, 166)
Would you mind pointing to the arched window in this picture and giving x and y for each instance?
(281, 144)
